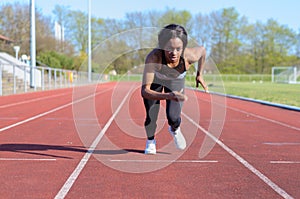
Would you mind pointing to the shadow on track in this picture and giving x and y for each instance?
(36, 149)
(39, 149)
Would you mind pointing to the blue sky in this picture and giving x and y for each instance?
(286, 12)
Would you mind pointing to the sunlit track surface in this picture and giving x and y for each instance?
(49, 150)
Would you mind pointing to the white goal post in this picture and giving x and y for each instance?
(285, 74)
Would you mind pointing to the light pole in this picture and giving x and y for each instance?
(89, 44)
(17, 49)
(32, 44)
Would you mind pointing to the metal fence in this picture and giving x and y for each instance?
(22, 78)
(207, 77)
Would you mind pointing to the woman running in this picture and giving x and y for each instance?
(164, 79)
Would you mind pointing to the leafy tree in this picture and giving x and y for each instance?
(226, 35)
(61, 13)
(77, 27)
(297, 50)
(56, 60)
(179, 17)
(202, 30)
(269, 45)
(15, 24)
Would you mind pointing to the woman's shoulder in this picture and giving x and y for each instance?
(193, 54)
(155, 56)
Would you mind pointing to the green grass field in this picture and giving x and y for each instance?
(257, 87)
(288, 94)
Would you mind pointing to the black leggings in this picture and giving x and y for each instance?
(173, 109)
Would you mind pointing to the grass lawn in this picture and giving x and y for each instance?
(288, 94)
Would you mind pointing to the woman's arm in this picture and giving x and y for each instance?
(151, 64)
(198, 54)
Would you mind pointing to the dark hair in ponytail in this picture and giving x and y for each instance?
(172, 31)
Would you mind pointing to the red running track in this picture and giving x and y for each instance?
(88, 142)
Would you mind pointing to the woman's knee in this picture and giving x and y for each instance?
(174, 121)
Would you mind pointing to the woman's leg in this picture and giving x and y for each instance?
(173, 112)
(173, 109)
(152, 109)
(174, 120)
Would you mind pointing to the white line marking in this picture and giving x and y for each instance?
(163, 161)
(285, 162)
(261, 117)
(48, 112)
(35, 117)
(70, 181)
(267, 119)
(26, 159)
(281, 143)
(31, 100)
(9, 118)
(67, 119)
(246, 164)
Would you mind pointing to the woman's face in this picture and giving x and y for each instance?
(173, 50)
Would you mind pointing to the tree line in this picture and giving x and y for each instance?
(235, 44)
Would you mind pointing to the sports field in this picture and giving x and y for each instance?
(288, 94)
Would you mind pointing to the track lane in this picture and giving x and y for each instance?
(177, 180)
(253, 187)
(37, 154)
(226, 177)
(248, 128)
(13, 111)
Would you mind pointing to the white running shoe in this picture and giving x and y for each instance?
(150, 147)
(178, 138)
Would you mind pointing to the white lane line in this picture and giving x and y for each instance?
(246, 164)
(281, 143)
(35, 117)
(67, 119)
(164, 161)
(9, 118)
(48, 112)
(285, 162)
(32, 100)
(27, 159)
(73, 177)
(267, 119)
(260, 117)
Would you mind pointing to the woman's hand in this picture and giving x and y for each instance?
(177, 96)
(199, 79)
